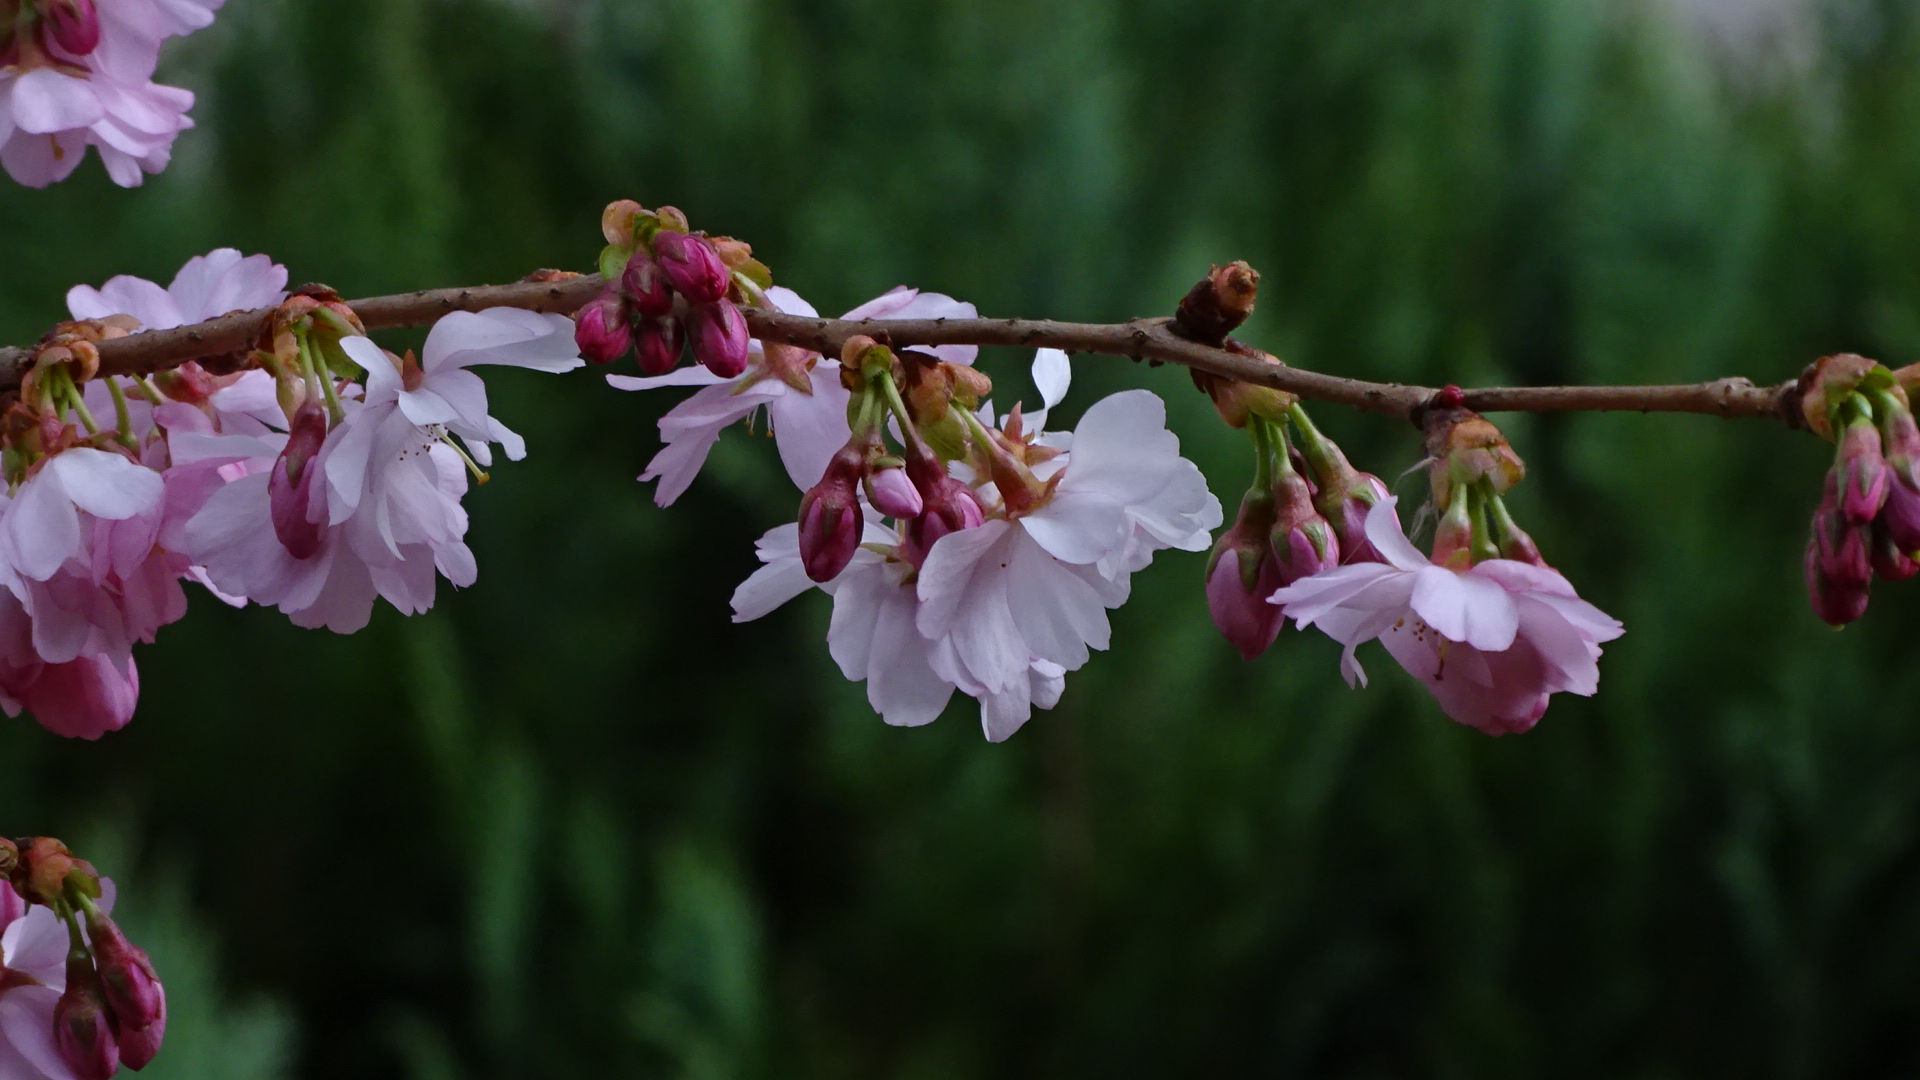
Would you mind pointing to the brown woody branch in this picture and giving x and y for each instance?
(1141, 339)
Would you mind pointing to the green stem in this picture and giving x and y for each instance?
(891, 394)
(122, 422)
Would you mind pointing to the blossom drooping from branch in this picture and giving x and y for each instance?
(1492, 642)
(79, 73)
(1034, 543)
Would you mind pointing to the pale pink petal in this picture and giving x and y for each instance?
(42, 527)
(383, 378)
(1005, 711)
(26, 1023)
(689, 375)
(781, 578)
(810, 428)
(509, 336)
(125, 295)
(105, 484)
(1561, 646)
(1309, 599)
(1122, 448)
(690, 429)
(39, 160)
(1383, 531)
(1059, 613)
(46, 101)
(1465, 608)
(1052, 374)
(1077, 526)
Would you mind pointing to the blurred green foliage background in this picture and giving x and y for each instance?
(575, 823)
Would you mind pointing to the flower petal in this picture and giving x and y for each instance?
(1465, 608)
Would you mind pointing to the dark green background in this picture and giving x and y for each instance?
(574, 823)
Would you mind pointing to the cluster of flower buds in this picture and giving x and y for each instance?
(78, 73)
(929, 401)
(668, 286)
(104, 1006)
(1868, 521)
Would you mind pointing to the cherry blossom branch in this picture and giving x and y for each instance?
(1141, 339)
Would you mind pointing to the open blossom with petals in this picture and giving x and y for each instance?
(82, 698)
(801, 391)
(1492, 643)
(388, 515)
(1002, 607)
(56, 101)
(33, 976)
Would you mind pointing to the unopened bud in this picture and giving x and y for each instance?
(893, 494)
(949, 505)
(1891, 562)
(71, 25)
(44, 868)
(290, 487)
(659, 344)
(1844, 550)
(1861, 471)
(1828, 382)
(82, 1027)
(1303, 542)
(1900, 516)
(645, 286)
(736, 254)
(1836, 603)
(692, 267)
(720, 340)
(132, 990)
(1218, 303)
(600, 329)
(830, 519)
(1241, 574)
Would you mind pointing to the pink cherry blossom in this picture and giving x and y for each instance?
(207, 286)
(1492, 643)
(805, 403)
(388, 514)
(1002, 609)
(54, 104)
(81, 698)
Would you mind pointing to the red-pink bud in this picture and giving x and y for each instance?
(645, 286)
(830, 519)
(1836, 603)
(71, 25)
(1241, 574)
(947, 505)
(893, 494)
(1303, 542)
(720, 340)
(290, 489)
(82, 1029)
(1862, 472)
(600, 329)
(132, 990)
(189, 383)
(1900, 516)
(660, 341)
(1891, 562)
(1844, 550)
(692, 267)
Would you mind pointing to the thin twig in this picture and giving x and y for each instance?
(1141, 339)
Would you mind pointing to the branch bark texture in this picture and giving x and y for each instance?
(1152, 340)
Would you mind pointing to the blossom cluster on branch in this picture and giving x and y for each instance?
(79, 73)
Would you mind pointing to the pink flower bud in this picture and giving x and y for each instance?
(290, 488)
(947, 505)
(1241, 574)
(720, 341)
(893, 494)
(1891, 562)
(1900, 440)
(645, 286)
(1862, 472)
(1345, 501)
(1900, 516)
(71, 25)
(1836, 603)
(830, 517)
(1844, 550)
(692, 267)
(660, 342)
(1303, 542)
(82, 1028)
(600, 329)
(189, 383)
(132, 990)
